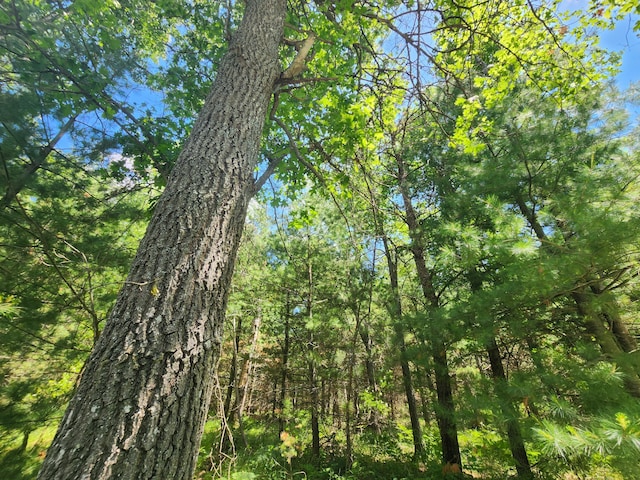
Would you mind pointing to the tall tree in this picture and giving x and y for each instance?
(140, 407)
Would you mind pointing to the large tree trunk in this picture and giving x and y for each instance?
(141, 404)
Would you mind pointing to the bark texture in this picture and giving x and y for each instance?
(140, 406)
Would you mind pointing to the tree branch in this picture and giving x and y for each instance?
(300, 62)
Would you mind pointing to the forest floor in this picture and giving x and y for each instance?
(376, 456)
(265, 456)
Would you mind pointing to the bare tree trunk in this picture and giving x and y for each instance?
(396, 311)
(313, 388)
(247, 377)
(374, 416)
(233, 370)
(227, 412)
(350, 388)
(141, 404)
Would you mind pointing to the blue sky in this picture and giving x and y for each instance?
(621, 39)
(624, 39)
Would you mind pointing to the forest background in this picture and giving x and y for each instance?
(438, 272)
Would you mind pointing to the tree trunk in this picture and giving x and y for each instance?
(233, 373)
(611, 317)
(370, 368)
(395, 310)
(613, 343)
(374, 416)
(247, 378)
(314, 397)
(514, 434)
(416, 430)
(285, 368)
(228, 412)
(445, 413)
(142, 401)
(313, 370)
(594, 325)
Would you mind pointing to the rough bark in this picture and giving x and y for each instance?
(141, 404)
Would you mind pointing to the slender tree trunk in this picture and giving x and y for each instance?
(313, 371)
(514, 434)
(509, 411)
(445, 413)
(15, 185)
(142, 401)
(247, 378)
(350, 389)
(370, 368)
(428, 396)
(396, 311)
(416, 430)
(227, 411)
(233, 371)
(285, 367)
(374, 416)
(313, 387)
